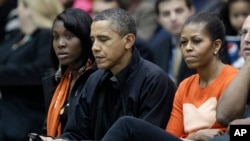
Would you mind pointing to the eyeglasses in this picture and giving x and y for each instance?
(243, 33)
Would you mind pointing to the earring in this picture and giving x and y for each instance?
(215, 53)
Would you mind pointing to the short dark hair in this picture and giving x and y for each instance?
(122, 22)
(189, 4)
(78, 22)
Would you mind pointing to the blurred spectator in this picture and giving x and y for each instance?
(144, 14)
(85, 5)
(100, 5)
(233, 13)
(213, 6)
(23, 59)
(200, 6)
(8, 15)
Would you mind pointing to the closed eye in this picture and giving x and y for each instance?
(183, 42)
(196, 41)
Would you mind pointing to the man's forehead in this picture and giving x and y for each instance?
(102, 27)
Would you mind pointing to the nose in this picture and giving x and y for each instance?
(61, 42)
(173, 16)
(95, 46)
(188, 46)
(246, 37)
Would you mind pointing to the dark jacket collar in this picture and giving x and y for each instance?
(125, 75)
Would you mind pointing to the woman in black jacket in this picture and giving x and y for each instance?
(73, 59)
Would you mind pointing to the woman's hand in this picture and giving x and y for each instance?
(50, 139)
(204, 134)
(43, 138)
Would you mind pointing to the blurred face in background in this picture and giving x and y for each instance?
(23, 11)
(100, 5)
(173, 14)
(27, 25)
(238, 11)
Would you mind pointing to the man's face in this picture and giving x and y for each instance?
(173, 14)
(245, 38)
(108, 46)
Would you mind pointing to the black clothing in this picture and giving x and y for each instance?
(224, 137)
(144, 49)
(49, 86)
(134, 129)
(142, 90)
(21, 71)
(30, 59)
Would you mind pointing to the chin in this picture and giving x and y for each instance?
(101, 66)
(191, 66)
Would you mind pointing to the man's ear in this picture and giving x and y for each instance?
(129, 40)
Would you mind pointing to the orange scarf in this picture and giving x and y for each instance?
(59, 97)
(53, 119)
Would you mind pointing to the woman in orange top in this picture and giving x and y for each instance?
(194, 107)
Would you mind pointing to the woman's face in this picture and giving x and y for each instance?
(24, 14)
(67, 46)
(196, 46)
(238, 11)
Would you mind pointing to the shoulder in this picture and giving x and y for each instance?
(42, 32)
(151, 71)
(151, 68)
(230, 69)
(187, 82)
(228, 74)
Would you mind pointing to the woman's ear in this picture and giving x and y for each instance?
(129, 40)
(217, 46)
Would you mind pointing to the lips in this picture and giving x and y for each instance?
(98, 58)
(190, 58)
(62, 55)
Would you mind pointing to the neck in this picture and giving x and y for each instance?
(209, 74)
(28, 29)
(77, 72)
